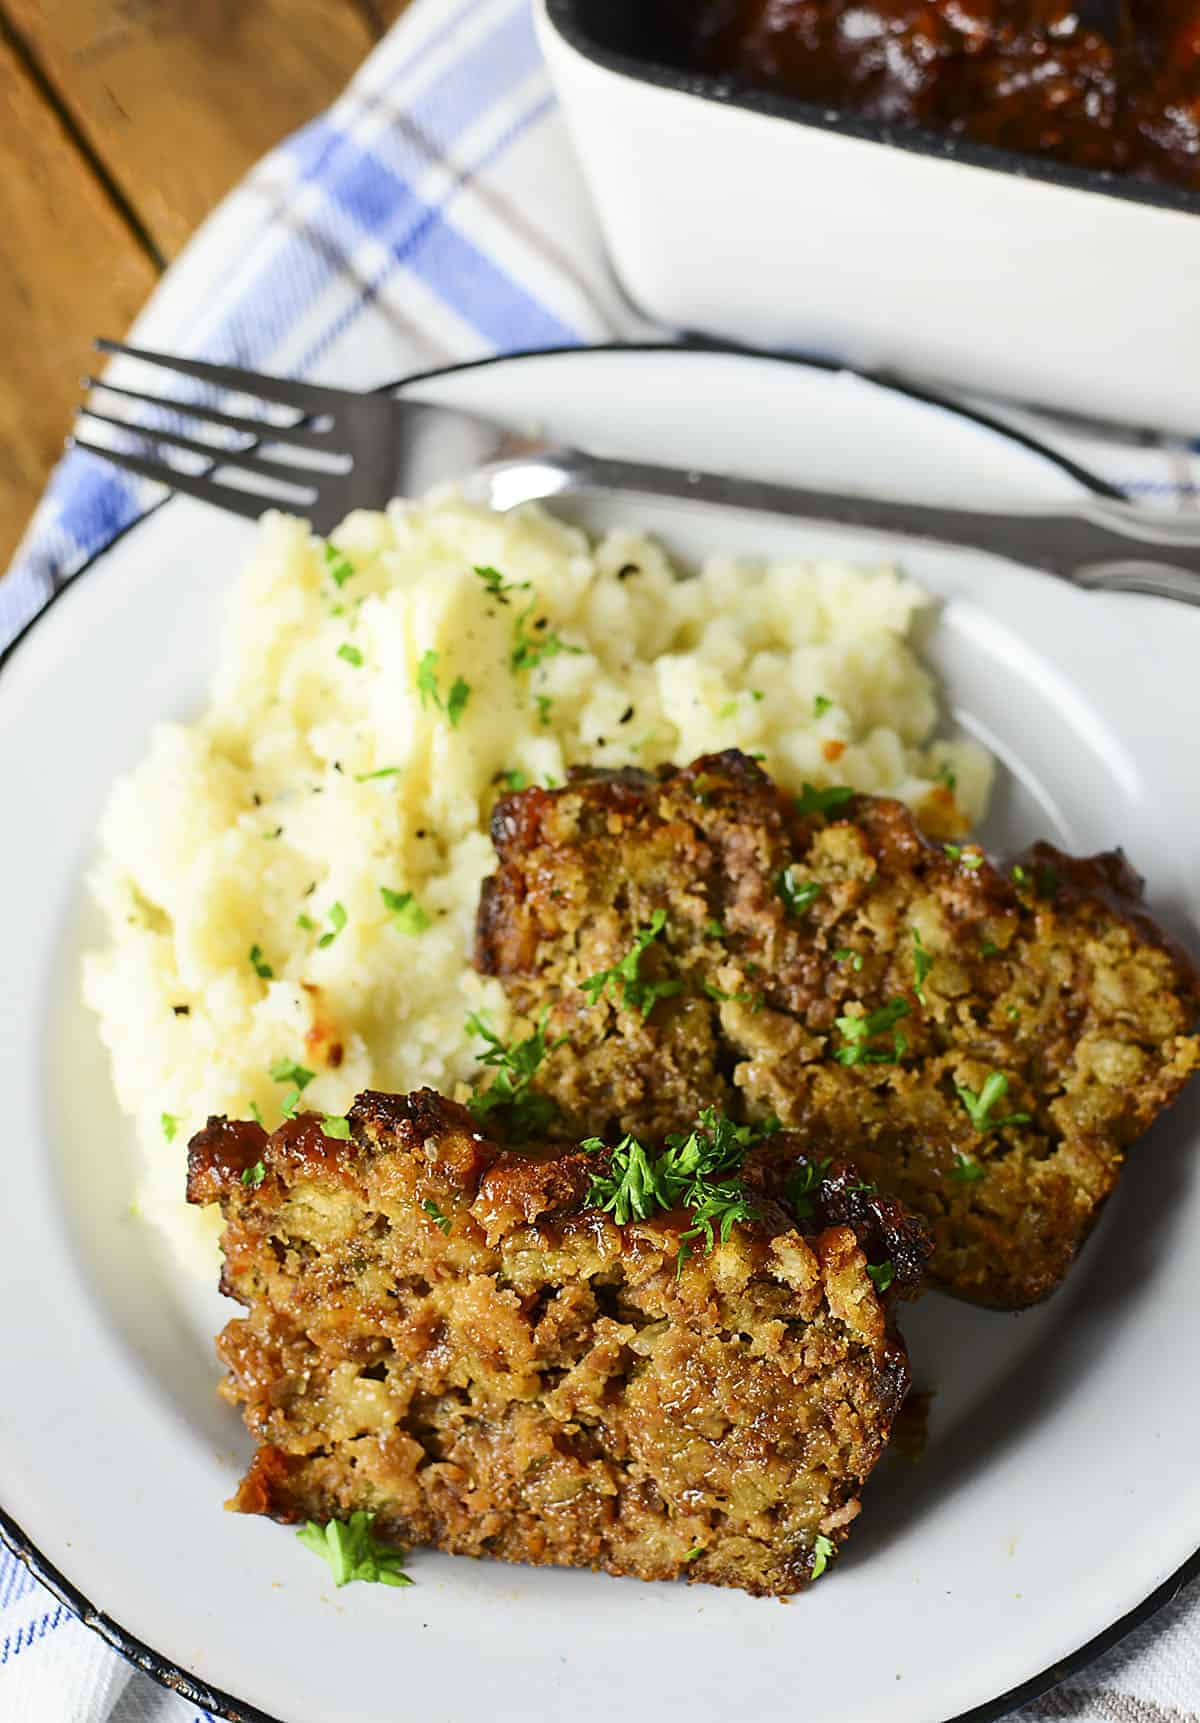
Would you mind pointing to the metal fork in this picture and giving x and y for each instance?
(344, 450)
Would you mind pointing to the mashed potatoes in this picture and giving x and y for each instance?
(290, 882)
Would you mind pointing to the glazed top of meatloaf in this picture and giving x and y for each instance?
(422, 1149)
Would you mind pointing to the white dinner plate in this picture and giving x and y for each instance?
(1059, 1494)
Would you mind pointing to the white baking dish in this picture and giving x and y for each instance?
(761, 219)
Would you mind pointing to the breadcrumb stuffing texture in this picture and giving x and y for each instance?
(446, 1334)
(986, 1042)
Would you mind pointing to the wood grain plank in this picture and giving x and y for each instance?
(387, 11)
(68, 266)
(179, 98)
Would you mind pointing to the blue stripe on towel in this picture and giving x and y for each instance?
(32, 1633)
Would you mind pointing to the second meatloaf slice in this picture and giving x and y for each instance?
(986, 1043)
(459, 1340)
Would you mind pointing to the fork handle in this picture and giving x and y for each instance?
(1097, 545)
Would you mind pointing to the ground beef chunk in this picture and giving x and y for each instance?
(442, 1332)
(985, 1043)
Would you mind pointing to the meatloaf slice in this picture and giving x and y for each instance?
(984, 1042)
(446, 1335)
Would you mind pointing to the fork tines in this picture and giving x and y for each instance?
(312, 428)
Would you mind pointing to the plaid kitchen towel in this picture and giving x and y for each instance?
(434, 214)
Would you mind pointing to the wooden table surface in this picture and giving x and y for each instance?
(122, 122)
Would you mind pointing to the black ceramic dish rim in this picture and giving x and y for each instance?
(729, 92)
(228, 1706)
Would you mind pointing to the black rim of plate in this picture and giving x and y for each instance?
(733, 92)
(226, 1705)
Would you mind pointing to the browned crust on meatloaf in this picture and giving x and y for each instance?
(1050, 973)
(535, 1382)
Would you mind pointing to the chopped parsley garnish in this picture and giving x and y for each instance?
(729, 709)
(979, 1106)
(428, 679)
(170, 1124)
(695, 1171)
(696, 1550)
(497, 586)
(729, 998)
(440, 1220)
(406, 912)
(715, 929)
(633, 992)
(845, 954)
(543, 702)
(337, 921)
(532, 646)
(814, 801)
(254, 1176)
(922, 964)
(970, 859)
(882, 1274)
(800, 1187)
(287, 1071)
(353, 1553)
(858, 1032)
(947, 777)
(821, 705)
(822, 1550)
(306, 922)
(338, 567)
(1046, 880)
(259, 965)
(290, 1102)
(629, 1189)
(513, 780)
(798, 898)
(1012, 1012)
(455, 703)
(256, 1114)
(335, 1126)
(510, 1090)
(1018, 874)
(966, 1169)
(351, 654)
(989, 948)
(383, 772)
